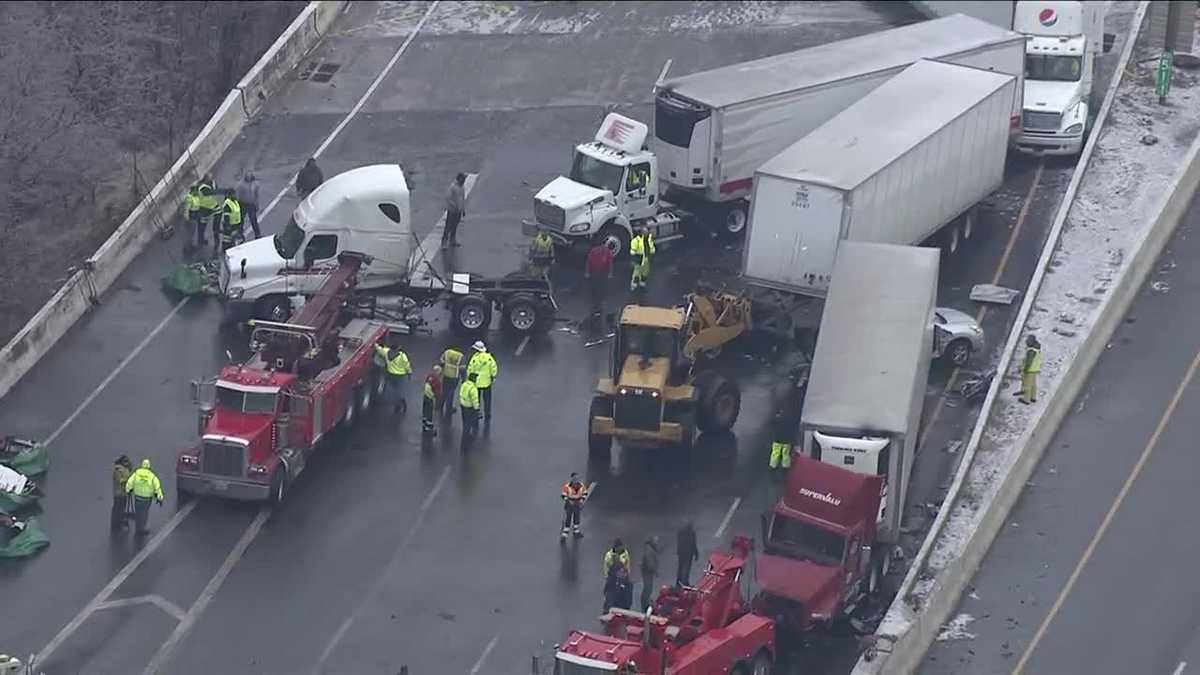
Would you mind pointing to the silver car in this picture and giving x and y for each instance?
(957, 335)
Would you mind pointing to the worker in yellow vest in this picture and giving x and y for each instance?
(483, 366)
(231, 221)
(468, 400)
(430, 398)
(1030, 367)
(452, 363)
(398, 371)
(145, 487)
(641, 248)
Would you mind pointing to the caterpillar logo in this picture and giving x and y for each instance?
(826, 497)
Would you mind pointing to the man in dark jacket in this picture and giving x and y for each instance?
(309, 178)
(618, 589)
(649, 571)
(687, 551)
(120, 506)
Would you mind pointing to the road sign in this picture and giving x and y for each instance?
(1166, 67)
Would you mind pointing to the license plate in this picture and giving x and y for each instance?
(220, 485)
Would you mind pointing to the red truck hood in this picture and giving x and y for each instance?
(255, 429)
(812, 584)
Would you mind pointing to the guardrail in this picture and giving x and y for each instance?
(83, 288)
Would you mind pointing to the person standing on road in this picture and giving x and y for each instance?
(247, 195)
(468, 400)
(687, 552)
(598, 270)
(649, 571)
(309, 178)
(781, 441)
(452, 367)
(617, 554)
(641, 249)
(208, 204)
(231, 221)
(574, 494)
(431, 399)
(541, 255)
(191, 211)
(456, 208)
(398, 372)
(121, 471)
(145, 487)
(483, 366)
(1030, 367)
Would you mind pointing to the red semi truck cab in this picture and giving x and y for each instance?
(263, 418)
(703, 630)
(820, 557)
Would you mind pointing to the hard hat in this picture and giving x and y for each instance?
(145, 464)
(479, 346)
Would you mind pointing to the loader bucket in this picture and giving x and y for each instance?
(26, 542)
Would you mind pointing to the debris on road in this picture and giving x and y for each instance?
(1160, 287)
(29, 539)
(993, 294)
(956, 629)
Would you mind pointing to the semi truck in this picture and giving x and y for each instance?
(941, 152)
(366, 210)
(261, 420)
(866, 388)
(714, 128)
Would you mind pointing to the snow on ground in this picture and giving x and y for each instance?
(957, 629)
(1138, 156)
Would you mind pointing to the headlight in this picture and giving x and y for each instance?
(258, 470)
(580, 227)
(654, 394)
(189, 460)
(624, 391)
(1074, 129)
(235, 292)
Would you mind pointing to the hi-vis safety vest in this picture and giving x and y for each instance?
(451, 362)
(233, 212)
(484, 366)
(429, 393)
(574, 494)
(468, 395)
(1033, 360)
(396, 365)
(642, 245)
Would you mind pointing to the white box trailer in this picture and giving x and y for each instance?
(866, 389)
(714, 128)
(909, 158)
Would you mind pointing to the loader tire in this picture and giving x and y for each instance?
(599, 444)
(720, 401)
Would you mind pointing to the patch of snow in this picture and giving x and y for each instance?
(957, 629)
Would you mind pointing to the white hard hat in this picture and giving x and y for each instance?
(479, 346)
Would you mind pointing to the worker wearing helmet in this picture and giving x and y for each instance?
(574, 494)
(145, 487)
(398, 372)
(208, 204)
(231, 221)
(483, 366)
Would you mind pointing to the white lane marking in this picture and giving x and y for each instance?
(728, 517)
(116, 371)
(383, 576)
(197, 609)
(1179, 668)
(156, 600)
(521, 347)
(358, 106)
(483, 657)
(416, 269)
(124, 574)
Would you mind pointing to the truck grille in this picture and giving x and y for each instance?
(638, 411)
(1035, 120)
(223, 459)
(548, 214)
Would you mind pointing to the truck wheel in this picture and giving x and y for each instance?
(521, 314)
(599, 444)
(278, 487)
(350, 416)
(366, 397)
(613, 232)
(720, 401)
(472, 315)
(968, 223)
(959, 352)
(762, 663)
(273, 308)
(733, 224)
(952, 236)
(880, 566)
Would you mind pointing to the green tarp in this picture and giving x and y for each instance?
(186, 279)
(30, 460)
(26, 542)
(13, 502)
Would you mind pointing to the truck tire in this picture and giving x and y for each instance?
(472, 315)
(522, 314)
(762, 663)
(278, 487)
(598, 444)
(720, 401)
(182, 497)
(968, 223)
(881, 562)
(614, 232)
(958, 352)
(734, 220)
(365, 395)
(273, 308)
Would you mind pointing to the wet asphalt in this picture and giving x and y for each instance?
(390, 551)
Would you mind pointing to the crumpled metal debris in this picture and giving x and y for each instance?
(994, 294)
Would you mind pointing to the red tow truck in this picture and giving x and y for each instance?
(262, 419)
(817, 565)
(703, 630)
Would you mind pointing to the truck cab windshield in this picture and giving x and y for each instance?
(288, 241)
(596, 173)
(797, 539)
(245, 401)
(1053, 68)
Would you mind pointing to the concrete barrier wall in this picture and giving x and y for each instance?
(906, 633)
(162, 203)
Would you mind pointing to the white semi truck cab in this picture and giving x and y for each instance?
(1064, 39)
(612, 187)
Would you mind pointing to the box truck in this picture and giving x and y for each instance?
(713, 129)
(862, 409)
(941, 151)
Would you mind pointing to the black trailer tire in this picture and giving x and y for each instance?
(734, 219)
(617, 233)
(762, 663)
(720, 402)
(598, 444)
(959, 352)
(472, 315)
(273, 308)
(522, 314)
(278, 487)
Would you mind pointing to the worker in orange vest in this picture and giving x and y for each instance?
(574, 494)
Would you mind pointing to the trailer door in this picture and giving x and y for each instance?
(794, 234)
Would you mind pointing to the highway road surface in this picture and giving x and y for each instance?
(391, 552)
